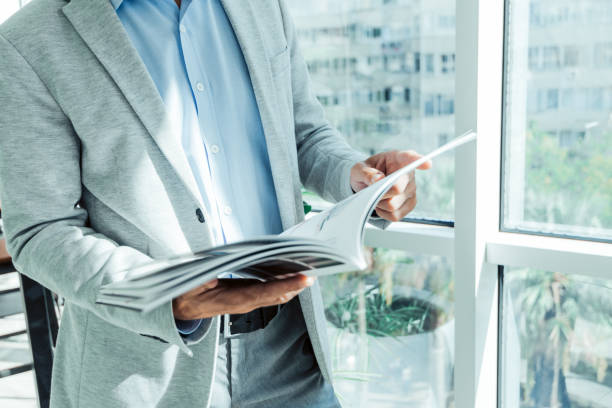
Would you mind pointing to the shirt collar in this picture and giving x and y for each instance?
(116, 3)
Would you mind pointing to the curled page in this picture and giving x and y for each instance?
(342, 226)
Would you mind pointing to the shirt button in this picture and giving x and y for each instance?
(227, 210)
(200, 86)
(182, 29)
(200, 216)
(214, 149)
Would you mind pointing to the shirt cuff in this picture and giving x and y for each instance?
(187, 327)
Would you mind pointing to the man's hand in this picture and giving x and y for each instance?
(234, 296)
(401, 198)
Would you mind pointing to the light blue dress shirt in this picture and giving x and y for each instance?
(197, 65)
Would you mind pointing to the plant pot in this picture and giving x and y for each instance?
(405, 371)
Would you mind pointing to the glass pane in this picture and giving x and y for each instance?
(558, 118)
(391, 332)
(385, 72)
(8, 8)
(556, 340)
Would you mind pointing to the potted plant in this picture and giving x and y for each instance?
(392, 345)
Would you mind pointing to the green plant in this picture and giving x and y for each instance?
(568, 185)
(550, 304)
(402, 317)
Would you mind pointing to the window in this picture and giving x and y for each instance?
(443, 139)
(429, 106)
(558, 167)
(444, 63)
(8, 7)
(603, 55)
(556, 340)
(568, 99)
(391, 331)
(596, 99)
(534, 58)
(429, 63)
(550, 57)
(552, 99)
(417, 62)
(412, 53)
(571, 56)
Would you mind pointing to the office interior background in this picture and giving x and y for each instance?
(497, 291)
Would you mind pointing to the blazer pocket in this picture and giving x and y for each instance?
(280, 62)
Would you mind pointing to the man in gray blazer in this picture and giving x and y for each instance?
(138, 129)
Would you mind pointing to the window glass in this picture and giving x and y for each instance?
(556, 340)
(391, 332)
(558, 118)
(9, 7)
(384, 71)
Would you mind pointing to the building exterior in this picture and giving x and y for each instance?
(569, 57)
(383, 69)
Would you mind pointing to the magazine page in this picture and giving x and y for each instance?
(342, 226)
(166, 265)
(293, 260)
(301, 255)
(191, 267)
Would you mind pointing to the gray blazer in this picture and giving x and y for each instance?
(93, 182)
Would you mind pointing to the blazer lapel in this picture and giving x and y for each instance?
(100, 28)
(243, 21)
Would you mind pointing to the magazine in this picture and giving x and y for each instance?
(327, 243)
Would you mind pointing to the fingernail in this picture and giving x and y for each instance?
(376, 177)
(309, 281)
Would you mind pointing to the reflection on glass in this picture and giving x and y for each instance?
(556, 340)
(558, 117)
(391, 332)
(9, 7)
(384, 70)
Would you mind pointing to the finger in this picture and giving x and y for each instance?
(364, 175)
(406, 157)
(203, 288)
(397, 215)
(282, 299)
(235, 296)
(274, 291)
(275, 288)
(210, 285)
(225, 298)
(370, 175)
(396, 202)
(399, 186)
(244, 298)
(286, 275)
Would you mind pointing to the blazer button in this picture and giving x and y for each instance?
(200, 216)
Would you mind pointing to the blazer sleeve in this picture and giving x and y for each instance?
(40, 188)
(325, 159)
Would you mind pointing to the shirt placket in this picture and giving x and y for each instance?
(199, 84)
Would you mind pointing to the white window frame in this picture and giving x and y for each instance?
(475, 245)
